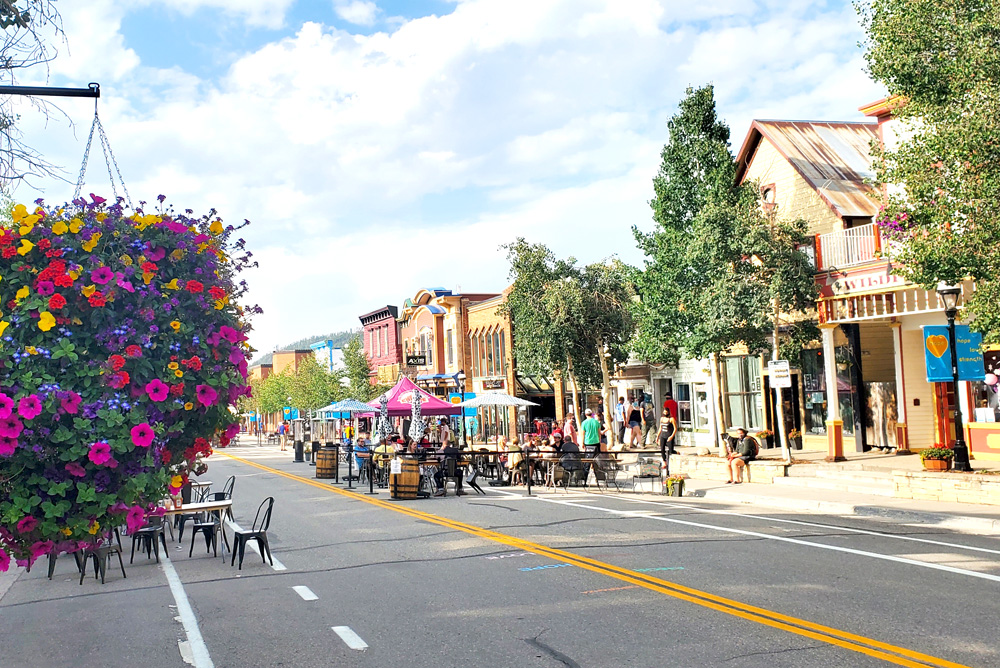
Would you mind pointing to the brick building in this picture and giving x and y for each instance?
(380, 337)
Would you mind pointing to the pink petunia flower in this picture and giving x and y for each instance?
(4, 561)
(6, 406)
(7, 446)
(102, 275)
(76, 470)
(232, 429)
(156, 254)
(70, 402)
(41, 548)
(229, 334)
(142, 435)
(236, 356)
(45, 288)
(29, 407)
(100, 453)
(11, 427)
(206, 394)
(157, 390)
(135, 518)
(27, 524)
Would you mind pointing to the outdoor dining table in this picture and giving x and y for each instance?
(206, 507)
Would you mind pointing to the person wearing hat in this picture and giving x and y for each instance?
(592, 431)
(744, 451)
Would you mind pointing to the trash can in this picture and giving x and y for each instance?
(299, 455)
(315, 453)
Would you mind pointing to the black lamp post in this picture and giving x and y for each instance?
(949, 295)
(461, 415)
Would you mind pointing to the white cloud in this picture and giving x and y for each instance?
(448, 135)
(260, 13)
(358, 12)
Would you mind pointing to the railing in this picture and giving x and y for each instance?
(848, 247)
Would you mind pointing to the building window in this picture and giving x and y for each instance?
(378, 343)
(449, 337)
(684, 404)
(503, 354)
(744, 404)
(489, 353)
(475, 355)
(427, 347)
(700, 407)
(385, 339)
(482, 354)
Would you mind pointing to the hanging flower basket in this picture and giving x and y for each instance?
(121, 349)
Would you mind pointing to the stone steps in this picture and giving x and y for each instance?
(837, 473)
(872, 486)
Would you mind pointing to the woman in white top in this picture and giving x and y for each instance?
(445, 432)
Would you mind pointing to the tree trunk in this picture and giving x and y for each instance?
(576, 401)
(606, 394)
(786, 453)
(720, 418)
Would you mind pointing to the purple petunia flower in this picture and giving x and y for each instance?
(102, 275)
(46, 288)
(206, 394)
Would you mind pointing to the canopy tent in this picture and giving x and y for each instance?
(400, 400)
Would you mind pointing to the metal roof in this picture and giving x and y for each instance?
(834, 158)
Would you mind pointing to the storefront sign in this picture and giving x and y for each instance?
(416, 360)
(493, 384)
(781, 375)
(869, 281)
(459, 398)
(937, 354)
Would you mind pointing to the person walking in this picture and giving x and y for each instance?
(648, 422)
(634, 424)
(620, 419)
(591, 433)
(444, 432)
(283, 435)
(668, 433)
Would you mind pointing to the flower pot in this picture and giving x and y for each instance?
(795, 443)
(937, 464)
(675, 489)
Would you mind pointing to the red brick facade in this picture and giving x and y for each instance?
(381, 344)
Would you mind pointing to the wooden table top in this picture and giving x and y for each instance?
(200, 507)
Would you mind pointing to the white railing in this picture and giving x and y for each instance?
(849, 247)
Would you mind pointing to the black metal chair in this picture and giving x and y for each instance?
(150, 536)
(188, 495)
(258, 532)
(606, 470)
(101, 553)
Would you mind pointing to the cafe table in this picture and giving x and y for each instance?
(216, 507)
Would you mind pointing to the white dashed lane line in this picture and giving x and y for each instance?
(350, 638)
(305, 592)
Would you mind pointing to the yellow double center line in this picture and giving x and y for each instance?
(868, 646)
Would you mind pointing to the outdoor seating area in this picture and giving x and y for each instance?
(203, 512)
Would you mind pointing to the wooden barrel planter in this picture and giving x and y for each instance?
(404, 485)
(326, 463)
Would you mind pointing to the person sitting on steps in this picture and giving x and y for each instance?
(740, 454)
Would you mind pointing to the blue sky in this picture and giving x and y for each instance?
(378, 147)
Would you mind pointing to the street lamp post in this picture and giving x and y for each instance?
(949, 295)
(461, 415)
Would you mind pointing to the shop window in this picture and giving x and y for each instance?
(497, 355)
(489, 354)
(503, 354)
(684, 404)
(427, 347)
(814, 386)
(475, 356)
(450, 344)
(700, 408)
(743, 405)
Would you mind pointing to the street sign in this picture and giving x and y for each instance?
(781, 375)
(937, 354)
(416, 360)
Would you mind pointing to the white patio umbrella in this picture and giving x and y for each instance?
(495, 398)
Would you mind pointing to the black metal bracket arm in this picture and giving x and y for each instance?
(92, 90)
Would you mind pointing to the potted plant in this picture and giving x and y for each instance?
(937, 459)
(674, 484)
(765, 437)
(795, 439)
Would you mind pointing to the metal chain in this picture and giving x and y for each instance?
(109, 160)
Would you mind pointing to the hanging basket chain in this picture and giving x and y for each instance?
(109, 160)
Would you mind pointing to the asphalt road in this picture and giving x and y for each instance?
(505, 580)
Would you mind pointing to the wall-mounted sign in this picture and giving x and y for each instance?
(780, 373)
(850, 282)
(493, 384)
(416, 360)
(937, 354)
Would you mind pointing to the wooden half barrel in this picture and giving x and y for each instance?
(404, 485)
(326, 463)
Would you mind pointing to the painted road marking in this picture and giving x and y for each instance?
(542, 568)
(864, 532)
(601, 591)
(305, 592)
(199, 656)
(786, 539)
(899, 656)
(508, 556)
(350, 638)
(659, 568)
(277, 565)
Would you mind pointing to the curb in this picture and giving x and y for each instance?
(962, 523)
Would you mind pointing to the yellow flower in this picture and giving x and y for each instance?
(173, 366)
(23, 292)
(94, 528)
(188, 406)
(101, 216)
(46, 321)
(75, 225)
(66, 531)
(176, 481)
(73, 274)
(3, 325)
(60, 228)
(177, 254)
(31, 350)
(175, 325)
(25, 248)
(90, 245)
(29, 224)
(172, 285)
(19, 212)
(220, 304)
(88, 290)
(215, 227)
(77, 321)
(147, 277)
(127, 260)
(179, 373)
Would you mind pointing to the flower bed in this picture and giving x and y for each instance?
(121, 350)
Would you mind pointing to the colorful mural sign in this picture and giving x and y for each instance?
(937, 354)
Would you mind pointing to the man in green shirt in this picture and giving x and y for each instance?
(591, 433)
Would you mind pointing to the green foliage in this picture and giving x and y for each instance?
(937, 453)
(359, 371)
(715, 261)
(312, 386)
(942, 58)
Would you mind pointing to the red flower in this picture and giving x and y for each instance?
(194, 363)
(9, 252)
(148, 267)
(194, 286)
(56, 301)
(97, 299)
(63, 281)
(216, 292)
(44, 244)
(133, 351)
(117, 362)
(177, 389)
(119, 380)
(54, 252)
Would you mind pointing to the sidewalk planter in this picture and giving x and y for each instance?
(937, 459)
(937, 464)
(674, 486)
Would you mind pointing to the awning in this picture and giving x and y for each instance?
(535, 384)
(439, 376)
